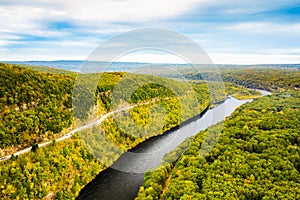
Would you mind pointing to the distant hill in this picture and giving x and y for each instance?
(100, 66)
(75, 65)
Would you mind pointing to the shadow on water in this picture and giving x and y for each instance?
(113, 184)
(122, 180)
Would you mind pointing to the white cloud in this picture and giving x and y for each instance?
(5, 42)
(226, 43)
(32, 18)
(27, 15)
(151, 57)
(245, 7)
(22, 19)
(82, 43)
(124, 10)
(290, 51)
(264, 27)
(246, 59)
(47, 54)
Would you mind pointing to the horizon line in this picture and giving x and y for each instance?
(11, 61)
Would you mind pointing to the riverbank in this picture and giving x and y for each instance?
(124, 177)
(257, 137)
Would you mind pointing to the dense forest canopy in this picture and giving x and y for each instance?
(57, 171)
(267, 79)
(257, 155)
(272, 79)
(34, 105)
(37, 106)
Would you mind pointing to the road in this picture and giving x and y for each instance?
(69, 134)
(96, 122)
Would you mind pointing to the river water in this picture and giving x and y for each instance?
(122, 180)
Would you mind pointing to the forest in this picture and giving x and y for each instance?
(57, 171)
(268, 79)
(37, 106)
(34, 106)
(256, 156)
(271, 79)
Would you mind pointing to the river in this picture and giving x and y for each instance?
(122, 180)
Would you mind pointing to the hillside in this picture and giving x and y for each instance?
(34, 106)
(256, 157)
(267, 79)
(38, 106)
(272, 79)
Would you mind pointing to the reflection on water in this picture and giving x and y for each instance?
(123, 179)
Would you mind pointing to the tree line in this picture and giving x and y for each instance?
(37, 106)
(255, 157)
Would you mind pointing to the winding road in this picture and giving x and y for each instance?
(96, 122)
(69, 134)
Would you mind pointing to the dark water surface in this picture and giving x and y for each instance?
(122, 180)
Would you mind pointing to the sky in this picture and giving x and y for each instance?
(229, 31)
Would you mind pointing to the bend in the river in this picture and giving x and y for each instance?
(123, 179)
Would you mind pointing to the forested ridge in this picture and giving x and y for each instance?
(257, 156)
(36, 106)
(272, 79)
(33, 105)
(267, 79)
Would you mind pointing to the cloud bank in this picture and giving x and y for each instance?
(230, 31)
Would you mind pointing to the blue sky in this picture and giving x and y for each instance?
(231, 32)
